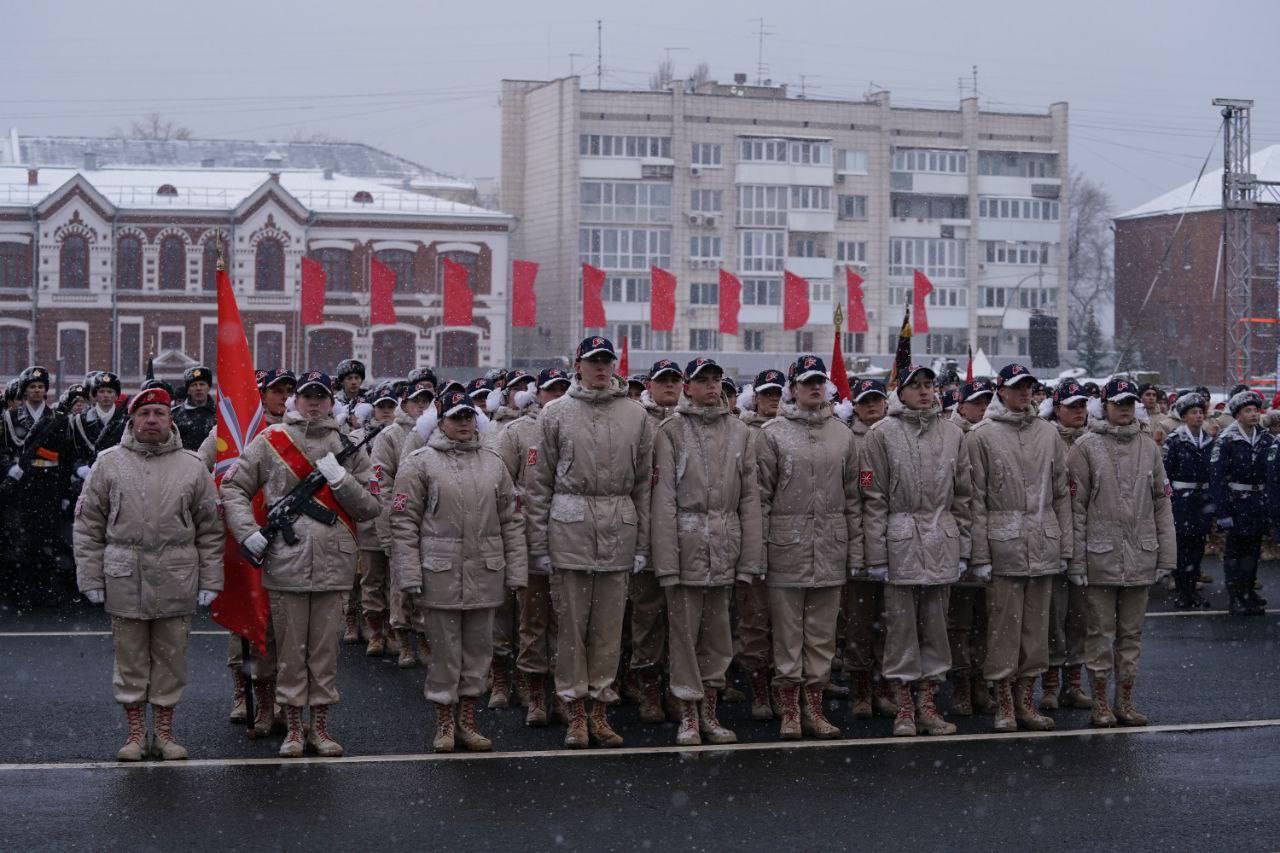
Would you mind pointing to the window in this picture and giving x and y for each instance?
(930, 207)
(704, 340)
(706, 201)
(639, 336)
(761, 251)
(819, 291)
(337, 271)
(854, 341)
(949, 297)
(625, 248)
(853, 207)
(939, 161)
(1004, 252)
(706, 246)
(762, 205)
(804, 341)
(327, 347)
(600, 145)
(395, 353)
(625, 289)
(807, 247)
(705, 154)
(268, 348)
(73, 264)
(625, 201)
(457, 349)
(1018, 208)
(73, 350)
(1017, 164)
(173, 338)
(130, 355)
(173, 263)
(129, 262)
(469, 261)
(938, 258)
(704, 293)
(761, 291)
(753, 340)
(941, 343)
(209, 264)
(766, 150)
(209, 343)
(991, 297)
(13, 350)
(852, 161)
(811, 153)
(851, 251)
(400, 262)
(268, 267)
(14, 266)
(813, 198)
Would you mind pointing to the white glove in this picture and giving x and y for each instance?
(1079, 580)
(638, 564)
(964, 565)
(745, 578)
(331, 468)
(879, 573)
(1063, 565)
(981, 573)
(256, 544)
(413, 590)
(16, 471)
(855, 573)
(542, 564)
(83, 472)
(1161, 574)
(1223, 523)
(205, 597)
(95, 596)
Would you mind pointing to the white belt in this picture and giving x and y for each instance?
(1183, 484)
(1245, 487)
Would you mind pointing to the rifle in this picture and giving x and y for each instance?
(300, 501)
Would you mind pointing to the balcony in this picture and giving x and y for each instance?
(783, 173)
(610, 168)
(1000, 185)
(929, 183)
(811, 268)
(1020, 230)
(816, 221)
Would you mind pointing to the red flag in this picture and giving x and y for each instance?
(795, 301)
(242, 606)
(592, 303)
(662, 300)
(923, 287)
(457, 295)
(524, 303)
(968, 371)
(624, 363)
(382, 286)
(730, 302)
(840, 376)
(313, 283)
(857, 311)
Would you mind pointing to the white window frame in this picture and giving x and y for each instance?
(706, 247)
(121, 322)
(708, 155)
(160, 333)
(260, 328)
(772, 254)
(858, 156)
(763, 205)
(706, 201)
(75, 326)
(851, 251)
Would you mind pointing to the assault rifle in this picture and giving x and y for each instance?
(301, 501)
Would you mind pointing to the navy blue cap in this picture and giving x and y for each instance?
(267, 378)
(1012, 374)
(864, 387)
(452, 402)
(976, 388)
(595, 345)
(422, 375)
(551, 375)
(906, 374)
(479, 385)
(664, 365)
(807, 366)
(1120, 389)
(318, 379)
(770, 378)
(699, 364)
(386, 392)
(637, 379)
(1069, 392)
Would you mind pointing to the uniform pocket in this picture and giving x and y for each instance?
(785, 531)
(437, 564)
(495, 564)
(1101, 546)
(1149, 544)
(628, 512)
(901, 527)
(1004, 525)
(569, 508)
(119, 562)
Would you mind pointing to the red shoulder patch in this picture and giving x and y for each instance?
(377, 472)
(1168, 489)
(531, 457)
(375, 487)
(864, 479)
(399, 502)
(1071, 482)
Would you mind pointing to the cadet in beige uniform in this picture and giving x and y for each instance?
(589, 524)
(518, 447)
(1021, 538)
(371, 559)
(1125, 542)
(705, 532)
(148, 545)
(307, 582)
(915, 490)
(813, 533)
(459, 543)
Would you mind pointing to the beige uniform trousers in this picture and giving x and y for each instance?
(589, 610)
(264, 666)
(308, 629)
(1115, 628)
(967, 628)
(648, 621)
(537, 626)
(150, 660)
(1017, 627)
(1068, 623)
(461, 648)
(753, 645)
(701, 642)
(804, 633)
(504, 626)
(863, 625)
(371, 568)
(916, 647)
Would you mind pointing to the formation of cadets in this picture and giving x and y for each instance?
(567, 540)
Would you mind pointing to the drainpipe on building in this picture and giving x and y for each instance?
(115, 294)
(35, 285)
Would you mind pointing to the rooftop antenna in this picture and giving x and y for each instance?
(599, 53)
(762, 30)
(975, 82)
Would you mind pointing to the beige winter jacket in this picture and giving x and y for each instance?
(325, 557)
(915, 492)
(1069, 435)
(367, 531)
(504, 417)
(518, 447)
(385, 461)
(653, 410)
(589, 498)
(1124, 529)
(809, 496)
(705, 526)
(455, 529)
(147, 529)
(1021, 503)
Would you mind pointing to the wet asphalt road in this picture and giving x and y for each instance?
(1187, 789)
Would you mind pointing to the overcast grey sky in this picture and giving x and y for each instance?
(421, 79)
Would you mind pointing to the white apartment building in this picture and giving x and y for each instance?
(750, 180)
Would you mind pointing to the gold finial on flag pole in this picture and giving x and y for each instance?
(838, 317)
(222, 265)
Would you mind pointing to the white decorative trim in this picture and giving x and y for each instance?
(380, 245)
(24, 239)
(473, 248)
(349, 245)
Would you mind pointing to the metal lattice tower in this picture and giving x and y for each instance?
(1239, 196)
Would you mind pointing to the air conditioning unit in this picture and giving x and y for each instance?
(695, 172)
(709, 219)
(694, 218)
(839, 179)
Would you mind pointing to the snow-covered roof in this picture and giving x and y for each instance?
(350, 158)
(206, 189)
(1208, 195)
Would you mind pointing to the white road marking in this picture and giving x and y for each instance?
(766, 746)
(1164, 613)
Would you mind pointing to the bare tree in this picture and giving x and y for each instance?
(155, 126)
(701, 74)
(660, 79)
(1091, 248)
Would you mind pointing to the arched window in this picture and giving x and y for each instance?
(209, 265)
(400, 262)
(327, 347)
(173, 263)
(73, 263)
(394, 353)
(13, 350)
(129, 263)
(469, 260)
(337, 269)
(457, 349)
(268, 267)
